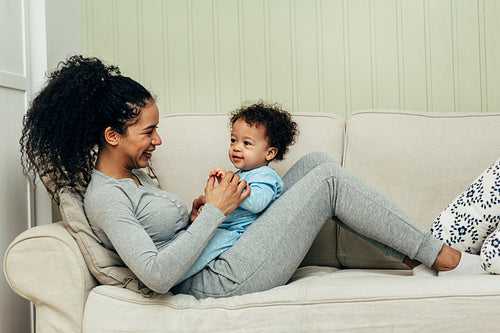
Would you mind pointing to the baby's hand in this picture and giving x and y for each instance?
(218, 173)
(197, 207)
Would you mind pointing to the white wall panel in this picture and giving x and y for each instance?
(336, 56)
(335, 74)
(14, 311)
(228, 56)
(414, 71)
(385, 31)
(441, 60)
(179, 55)
(492, 56)
(153, 51)
(469, 72)
(12, 36)
(255, 61)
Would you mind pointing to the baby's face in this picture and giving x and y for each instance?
(249, 147)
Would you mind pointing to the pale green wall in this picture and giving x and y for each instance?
(334, 56)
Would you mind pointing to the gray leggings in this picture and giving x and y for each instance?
(316, 189)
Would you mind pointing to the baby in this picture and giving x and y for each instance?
(260, 133)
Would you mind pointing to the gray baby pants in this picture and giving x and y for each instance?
(315, 190)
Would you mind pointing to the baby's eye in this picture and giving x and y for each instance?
(233, 140)
(247, 143)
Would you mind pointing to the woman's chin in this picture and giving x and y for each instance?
(143, 164)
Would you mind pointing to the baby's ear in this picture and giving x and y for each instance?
(271, 153)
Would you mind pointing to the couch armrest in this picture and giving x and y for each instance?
(45, 266)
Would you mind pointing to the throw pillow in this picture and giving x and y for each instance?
(105, 265)
(473, 216)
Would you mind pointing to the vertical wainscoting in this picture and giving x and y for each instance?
(335, 56)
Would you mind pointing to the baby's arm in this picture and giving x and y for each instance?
(260, 197)
(266, 187)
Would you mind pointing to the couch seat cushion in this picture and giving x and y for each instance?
(316, 299)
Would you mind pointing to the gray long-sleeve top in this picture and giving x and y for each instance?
(148, 227)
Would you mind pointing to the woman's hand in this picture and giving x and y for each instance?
(197, 207)
(228, 194)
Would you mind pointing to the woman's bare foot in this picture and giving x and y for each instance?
(447, 259)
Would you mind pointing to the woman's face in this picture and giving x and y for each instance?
(138, 143)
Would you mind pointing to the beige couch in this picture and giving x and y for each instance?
(421, 161)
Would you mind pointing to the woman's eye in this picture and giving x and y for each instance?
(151, 131)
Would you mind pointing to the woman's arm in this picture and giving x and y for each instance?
(158, 270)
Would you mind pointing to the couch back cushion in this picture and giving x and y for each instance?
(420, 161)
(194, 144)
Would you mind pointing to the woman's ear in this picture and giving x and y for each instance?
(271, 153)
(111, 136)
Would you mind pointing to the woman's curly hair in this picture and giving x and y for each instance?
(64, 125)
(281, 130)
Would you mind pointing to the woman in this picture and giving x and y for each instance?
(93, 129)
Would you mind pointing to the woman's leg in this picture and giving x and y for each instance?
(305, 164)
(309, 162)
(271, 249)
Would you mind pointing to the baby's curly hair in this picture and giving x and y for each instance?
(281, 130)
(64, 125)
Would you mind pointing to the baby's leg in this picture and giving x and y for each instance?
(473, 215)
